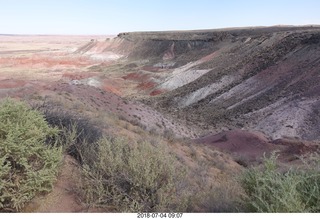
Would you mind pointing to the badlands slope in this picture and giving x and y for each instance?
(263, 79)
(209, 85)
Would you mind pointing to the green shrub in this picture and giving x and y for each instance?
(132, 178)
(270, 190)
(27, 165)
(77, 132)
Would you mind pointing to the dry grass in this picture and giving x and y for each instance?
(208, 183)
(132, 176)
(210, 172)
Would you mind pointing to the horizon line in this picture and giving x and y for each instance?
(169, 30)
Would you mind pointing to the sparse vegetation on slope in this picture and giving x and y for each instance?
(133, 170)
(28, 165)
(126, 176)
(132, 177)
(77, 131)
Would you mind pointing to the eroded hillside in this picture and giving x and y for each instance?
(264, 79)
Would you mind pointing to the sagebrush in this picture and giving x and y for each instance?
(131, 177)
(27, 164)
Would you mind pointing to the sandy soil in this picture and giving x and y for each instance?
(62, 198)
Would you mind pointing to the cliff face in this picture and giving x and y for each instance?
(266, 79)
(156, 44)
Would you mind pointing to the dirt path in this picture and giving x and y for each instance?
(61, 199)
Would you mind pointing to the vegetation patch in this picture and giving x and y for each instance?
(132, 177)
(28, 164)
(77, 131)
(272, 190)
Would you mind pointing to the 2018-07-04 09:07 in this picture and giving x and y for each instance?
(159, 215)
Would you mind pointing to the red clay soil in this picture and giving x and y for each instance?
(134, 76)
(157, 92)
(240, 142)
(11, 83)
(296, 147)
(130, 76)
(253, 145)
(78, 76)
(144, 79)
(111, 86)
(147, 85)
(16, 88)
(44, 61)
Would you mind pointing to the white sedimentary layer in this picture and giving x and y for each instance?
(183, 75)
(202, 93)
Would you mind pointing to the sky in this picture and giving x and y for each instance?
(103, 17)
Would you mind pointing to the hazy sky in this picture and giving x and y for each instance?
(114, 16)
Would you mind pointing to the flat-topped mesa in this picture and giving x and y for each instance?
(172, 44)
(155, 43)
(210, 33)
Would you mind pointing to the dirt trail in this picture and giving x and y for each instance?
(61, 199)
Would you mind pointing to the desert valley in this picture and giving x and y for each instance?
(217, 102)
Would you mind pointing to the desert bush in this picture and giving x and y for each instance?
(133, 178)
(77, 131)
(27, 164)
(223, 197)
(271, 190)
(169, 134)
